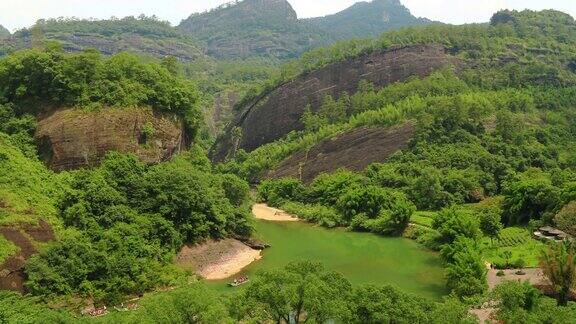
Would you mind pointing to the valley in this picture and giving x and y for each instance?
(251, 166)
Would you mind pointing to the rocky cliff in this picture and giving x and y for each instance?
(353, 150)
(276, 114)
(73, 138)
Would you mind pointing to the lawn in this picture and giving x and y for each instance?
(513, 243)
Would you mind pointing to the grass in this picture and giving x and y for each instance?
(27, 187)
(7, 249)
(423, 218)
(518, 242)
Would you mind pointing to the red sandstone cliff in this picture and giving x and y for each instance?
(75, 138)
(279, 112)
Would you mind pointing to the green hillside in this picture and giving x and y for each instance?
(253, 28)
(367, 20)
(4, 32)
(140, 35)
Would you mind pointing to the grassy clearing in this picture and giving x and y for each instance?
(513, 243)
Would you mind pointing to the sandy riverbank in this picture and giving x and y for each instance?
(216, 260)
(265, 212)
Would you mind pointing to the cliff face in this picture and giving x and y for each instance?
(353, 150)
(71, 139)
(279, 112)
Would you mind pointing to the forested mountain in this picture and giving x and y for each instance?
(244, 29)
(141, 35)
(460, 138)
(253, 28)
(272, 28)
(4, 32)
(367, 19)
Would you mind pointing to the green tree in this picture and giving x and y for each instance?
(558, 263)
(565, 219)
(466, 272)
(301, 292)
(452, 222)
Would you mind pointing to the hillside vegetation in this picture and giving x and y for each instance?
(141, 35)
(367, 19)
(490, 160)
(4, 32)
(495, 132)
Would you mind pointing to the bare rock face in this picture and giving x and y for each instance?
(353, 150)
(278, 113)
(73, 138)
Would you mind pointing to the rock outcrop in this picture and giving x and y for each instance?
(74, 138)
(278, 113)
(353, 150)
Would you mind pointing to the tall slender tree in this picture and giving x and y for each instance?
(559, 265)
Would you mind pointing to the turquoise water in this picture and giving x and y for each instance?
(360, 257)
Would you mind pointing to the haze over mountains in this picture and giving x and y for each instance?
(261, 28)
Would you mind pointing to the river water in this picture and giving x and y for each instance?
(360, 257)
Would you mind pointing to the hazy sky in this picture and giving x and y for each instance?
(16, 14)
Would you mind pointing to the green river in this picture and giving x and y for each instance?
(360, 257)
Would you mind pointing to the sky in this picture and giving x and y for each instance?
(16, 14)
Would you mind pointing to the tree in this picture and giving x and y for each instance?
(301, 292)
(490, 224)
(452, 222)
(558, 263)
(374, 304)
(529, 197)
(565, 219)
(466, 272)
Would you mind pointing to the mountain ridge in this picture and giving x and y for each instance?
(4, 32)
(275, 30)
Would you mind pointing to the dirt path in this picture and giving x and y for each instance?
(263, 211)
(533, 275)
(216, 260)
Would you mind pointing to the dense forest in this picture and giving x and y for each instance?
(491, 157)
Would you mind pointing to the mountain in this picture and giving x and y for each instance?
(253, 28)
(141, 35)
(272, 28)
(330, 93)
(239, 30)
(367, 19)
(4, 32)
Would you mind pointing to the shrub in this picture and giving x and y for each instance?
(277, 191)
(565, 219)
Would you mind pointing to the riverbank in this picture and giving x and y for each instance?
(265, 212)
(217, 260)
